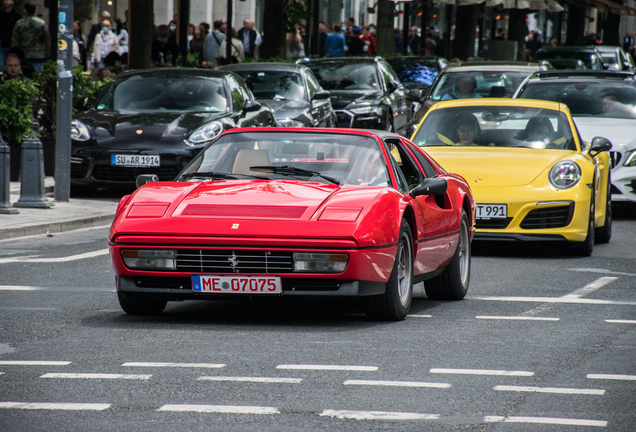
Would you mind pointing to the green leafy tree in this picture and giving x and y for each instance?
(16, 109)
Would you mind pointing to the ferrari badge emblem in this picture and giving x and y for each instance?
(235, 226)
(233, 260)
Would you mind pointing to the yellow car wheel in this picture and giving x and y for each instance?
(586, 247)
(604, 234)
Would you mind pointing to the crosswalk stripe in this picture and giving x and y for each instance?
(598, 392)
(481, 372)
(225, 409)
(251, 379)
(397, 383)
(18, 288)
(55, 406)
(178, 365)
(96, 376)
(612, 377)
(377, 415)
(546, 420)
(617, 321)
(328, 367)
(554, 300)
(591, 287)
(520, 318)
(34, 363)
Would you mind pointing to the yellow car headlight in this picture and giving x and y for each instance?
(565, 174)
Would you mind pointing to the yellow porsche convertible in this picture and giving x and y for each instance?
(532, 176)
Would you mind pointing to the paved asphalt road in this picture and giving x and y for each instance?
(71, 360)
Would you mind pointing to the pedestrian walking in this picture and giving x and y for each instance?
(414, 41)
(251, 40)
(335, 43)
(8, 18)
(164, 51)
(369, 42)
(355, 45)
(31, 35)
(12, 69)
(322, 38)
(212, 45)
(397, 40)
(122, 36)
(105, 43)
(96, 28)
(82, 47)
(237, 50)
(197, 43)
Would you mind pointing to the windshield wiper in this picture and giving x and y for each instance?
(210, 174)
(292, 170)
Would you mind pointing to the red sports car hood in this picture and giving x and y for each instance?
(277, 200)
(257, 208)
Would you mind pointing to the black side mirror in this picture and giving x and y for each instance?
(430, 186)
(146, 178)
(321, 95)
(252, 105)
(599, 145)
(415, 95)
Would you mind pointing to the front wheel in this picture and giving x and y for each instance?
(141, 305)
(394, 304)
(604, 233)
(586, 247)
(452, 283)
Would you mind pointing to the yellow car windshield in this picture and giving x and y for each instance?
(496, 126)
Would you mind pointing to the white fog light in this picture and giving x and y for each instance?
(149, 259)
(320, 262)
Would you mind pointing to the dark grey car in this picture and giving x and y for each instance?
(291, 90)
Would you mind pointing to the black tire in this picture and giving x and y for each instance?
(452, 283)
(394, 304)
(141, 305)
(586, 247)
(604, 233)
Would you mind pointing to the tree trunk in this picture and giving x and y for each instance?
(610, 30)
(274, 41)
(576, 25)
(465, 25)
(141, 29)
(518, 30)
(384, 39)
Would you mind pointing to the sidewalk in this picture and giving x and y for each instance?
(63, 216)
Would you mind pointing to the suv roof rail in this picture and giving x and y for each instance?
(583, 73)
(493, 63)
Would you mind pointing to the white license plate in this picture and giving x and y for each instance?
(492, 211)
(135, 160)
(237, 284)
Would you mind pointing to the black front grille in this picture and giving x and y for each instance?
(245, 261)
(126, 174)
(615, 191)
(344, 119)
(550, 217)
(632, 184)
(492, 223)
(163, 282)
(78, 170)
(615, 158)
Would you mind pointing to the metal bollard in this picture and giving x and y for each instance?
(32, 181)
(5, 179)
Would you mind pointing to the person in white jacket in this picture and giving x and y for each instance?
(237, 47)
(105, 43)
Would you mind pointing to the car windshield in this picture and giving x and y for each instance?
(589, 59)
(160, 93)
(274, 85)
(496, 126)
(416, 74)
(586, 99)
(349, 159)
(461, 85)
(610, 58)
(346, 76)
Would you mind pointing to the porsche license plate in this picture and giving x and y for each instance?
(237, 284)
(492, 211)
(135, 160)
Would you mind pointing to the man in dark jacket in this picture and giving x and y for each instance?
(248, 36)
(322, 38)
(164, 50)
(8, 17)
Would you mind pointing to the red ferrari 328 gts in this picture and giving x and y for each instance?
(273, 211)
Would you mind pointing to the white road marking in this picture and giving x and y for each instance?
(612, 377)
(328, 367)
(34, 363)
(617, 321)
(546, 420)
(28, 308)
(18, 288)
(35, 259)
(226, 409)
(251, 379)
(522, 318)
(377, 415)
(96, 376)
(182, 365)
(481, 372)
(602, 271)
(598, 392)
(591, 287)
(397, 383)
(56, 406)
(555, 300)
(421, 316)
(61, 233)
